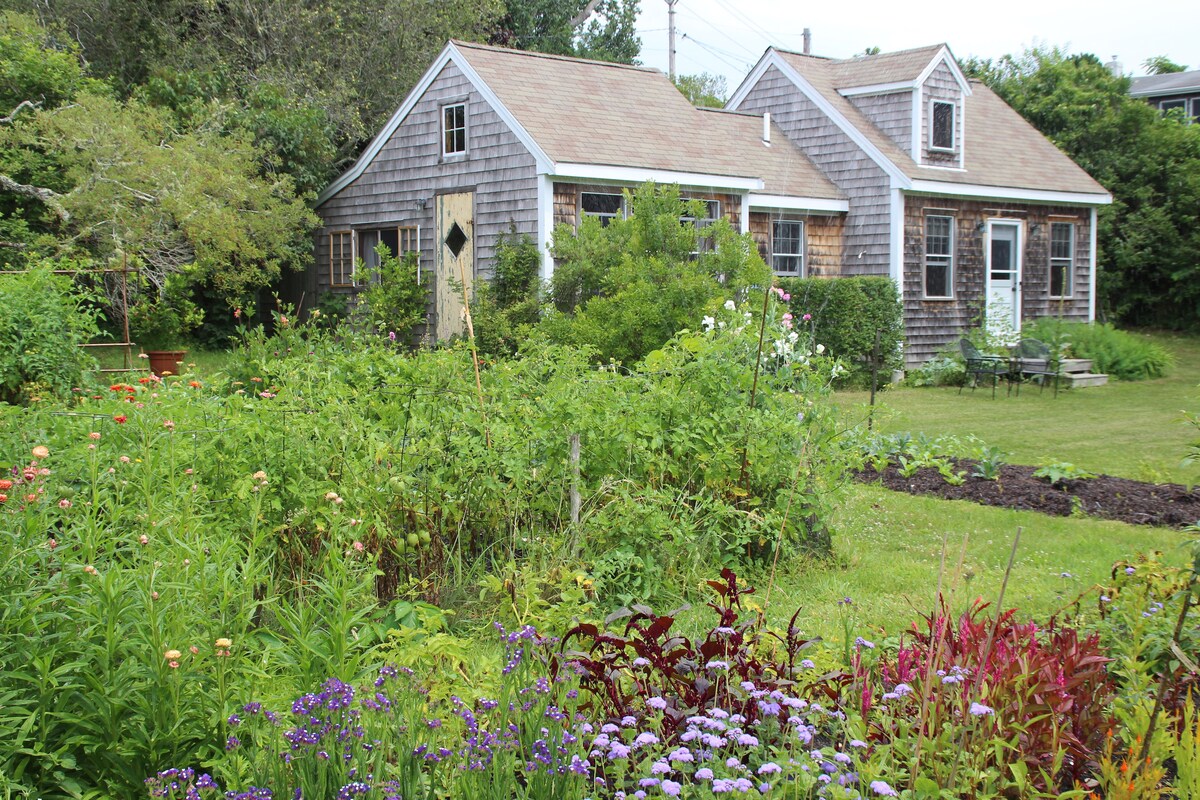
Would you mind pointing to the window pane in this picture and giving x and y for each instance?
(787, 237)
(943, 125)
(787, 265)
(937, 236)
(1167, 105)
(1061, 238)
(937, 278)
(596, 203)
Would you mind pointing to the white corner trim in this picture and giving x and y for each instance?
(545, 224)
(896, 239)
(788, 203)
(878, 88)
(1092, 268)
(918, 101)
(1009, 193)
(944, 56)
(449, 54)
(626, 175)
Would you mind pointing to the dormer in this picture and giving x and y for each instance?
(916, 98)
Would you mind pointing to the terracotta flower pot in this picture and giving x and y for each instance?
(165, 361)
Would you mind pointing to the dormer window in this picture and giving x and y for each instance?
(454, 129)
(941, 126)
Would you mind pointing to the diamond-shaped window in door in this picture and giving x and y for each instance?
(456, 239)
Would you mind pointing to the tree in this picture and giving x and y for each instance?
(599, 29)
(703, 90)
(1161, 65)
(1149, 239)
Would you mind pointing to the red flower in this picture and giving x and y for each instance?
(3, 498)
(120, 419)
(6, 484)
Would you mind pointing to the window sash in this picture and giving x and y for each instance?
(454, 129)
(1062, 259)
(941, 125)
(787, 247)
(602, 205)
(939, 257)
(341, 258)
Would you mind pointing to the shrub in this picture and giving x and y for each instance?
(393, 298)
(844, 314)
(505, 307)
(1114, 352)
(43, 320)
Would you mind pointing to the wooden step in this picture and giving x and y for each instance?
(1080, 380)
(1069, 365)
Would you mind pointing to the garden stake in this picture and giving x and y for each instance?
(787, 511)
(762, 329)
(1165, 680)
(937, 598)
(487, 433)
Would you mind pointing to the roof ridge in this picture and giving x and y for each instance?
(731, 111)
(862, 58)
(552, 56)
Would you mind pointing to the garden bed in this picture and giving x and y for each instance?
(1121, 499)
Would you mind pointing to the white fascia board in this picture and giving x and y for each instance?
(838, 118)
(1009, 193)
(944, 56)
(817, 205)
(449, 54)
(1152, 93)
(878, 88)
(896, 238)
(749, 81)
(606, 173)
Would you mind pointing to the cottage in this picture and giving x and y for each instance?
(966, 206)
(1176, 90)
(892, 165)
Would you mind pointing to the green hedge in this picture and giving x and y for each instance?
(845, 314)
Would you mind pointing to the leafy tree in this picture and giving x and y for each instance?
(1161, 65)
(599, 29)
(704, 89)
(1149, 239)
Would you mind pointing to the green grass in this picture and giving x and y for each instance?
(202, 362)
(1129, 429)
(888, 549)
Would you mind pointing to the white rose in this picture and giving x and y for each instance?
(730, 305)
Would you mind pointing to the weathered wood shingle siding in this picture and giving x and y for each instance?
(891, 113)
(822, 240)
(932, 325)
(941, 86)
(410, 168)
(841, 160)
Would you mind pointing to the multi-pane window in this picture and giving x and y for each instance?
(787, 247)
(941, 126)
(939, 256)
(1062, 259)
(712, 213)
(606, 207)
(454, 129)
(396, 243)
(341, 258)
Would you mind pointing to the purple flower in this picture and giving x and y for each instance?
(672, 788)
(657, 703)
(644, 738)
(681, 754)
(660, 768)
(807, 663)
(857, 743)
(841, 758)
(1130, 570)
(861, 642)
(769, 768)
(881, 788)
(704, 774)
(980, 710)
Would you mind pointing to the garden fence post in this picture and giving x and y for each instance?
(574, 478)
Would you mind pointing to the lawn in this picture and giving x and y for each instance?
(1129, 429)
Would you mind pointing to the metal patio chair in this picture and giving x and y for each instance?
(1035, 359)
(982, 365)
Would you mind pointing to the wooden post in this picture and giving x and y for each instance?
(874, 378)
(574, 478)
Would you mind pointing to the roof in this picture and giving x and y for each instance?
(1172, 83)
(1001, 148)
(593, 112)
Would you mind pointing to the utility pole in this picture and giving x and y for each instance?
(671, 38)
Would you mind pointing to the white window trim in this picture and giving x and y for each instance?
(953, 126)
(465, 129)
(802, 255)
(621, 213)
(925, 257)
(1070, 274)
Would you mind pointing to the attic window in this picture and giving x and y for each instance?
(454, 129)
(456, 239)
(941, 126)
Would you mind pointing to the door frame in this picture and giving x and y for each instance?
(1018, 266)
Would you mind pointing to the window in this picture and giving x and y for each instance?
(605, 206)
(1062, 259)
(787, 247)
(712, 213)
(939, 256)
(398, 242)
(341, 258)
(454, 129)
(941, 126)
(1196, 109)
(1171, 105)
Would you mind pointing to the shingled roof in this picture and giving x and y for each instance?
(1001, 149)
(594, 112)
(1171, 83)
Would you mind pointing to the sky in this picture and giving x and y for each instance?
(726, 37)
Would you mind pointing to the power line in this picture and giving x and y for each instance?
(715, 53)
(751, 53)
(754, 26)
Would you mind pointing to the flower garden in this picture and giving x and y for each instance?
(338, 569)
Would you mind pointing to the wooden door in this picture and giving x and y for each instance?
(455, 261)
(1004, 276)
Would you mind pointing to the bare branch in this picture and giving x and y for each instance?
(48, 196)
(583, 15)
(13, 114)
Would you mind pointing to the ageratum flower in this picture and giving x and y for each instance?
(883, 789)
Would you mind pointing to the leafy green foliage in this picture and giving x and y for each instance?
(507, 306)
(43, 320)
(392, 299)
(1148, 237)
(607, 32)
(845, 315)
(625, 288)
(705, 90)
(1121, 354)
(1061, 472)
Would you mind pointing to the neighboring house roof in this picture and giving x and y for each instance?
(617, 119)
(1173, 83)
(1001, 149)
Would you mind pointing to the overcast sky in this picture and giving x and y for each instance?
(726, 37)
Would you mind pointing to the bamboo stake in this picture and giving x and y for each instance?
(1164, 681)
(462, 272)
(762, 330)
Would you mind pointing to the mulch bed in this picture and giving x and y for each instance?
(1137, 503)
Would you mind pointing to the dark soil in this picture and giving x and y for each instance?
(1164, 504)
